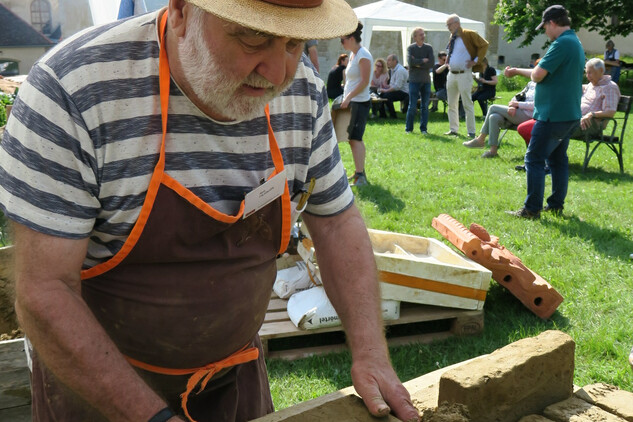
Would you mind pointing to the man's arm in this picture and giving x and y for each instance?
(64, 332)
(536, 74)
(349, 274)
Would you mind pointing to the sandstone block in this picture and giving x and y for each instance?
(517, 380)
(577, 410)
(609, 398)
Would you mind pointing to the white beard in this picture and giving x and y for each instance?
(214, 87)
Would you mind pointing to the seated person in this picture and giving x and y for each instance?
(486, 87)
(379, 81)
(600, 98)
(398, 89)
(518, 110)
(440, 72)
(612, 61)
(336, 77)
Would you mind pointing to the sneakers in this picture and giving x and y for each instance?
(471, 134)
(473, 143)
(520, 167)
(489, 154)
(557, 211)
(359, 179)
(424, 132)
(451, 133)
(524, 213)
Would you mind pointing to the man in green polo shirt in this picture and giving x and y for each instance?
(556, 110)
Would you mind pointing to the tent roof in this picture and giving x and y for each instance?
(394, 13)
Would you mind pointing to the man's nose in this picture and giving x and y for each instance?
(274, 61)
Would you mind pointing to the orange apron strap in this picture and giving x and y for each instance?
(203, 374)
(154, 184)
(285, 198)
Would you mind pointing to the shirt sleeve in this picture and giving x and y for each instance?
(611, 98)
(48, 179)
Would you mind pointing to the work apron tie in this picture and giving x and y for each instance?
(201, 375)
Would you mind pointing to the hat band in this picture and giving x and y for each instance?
(295, 3)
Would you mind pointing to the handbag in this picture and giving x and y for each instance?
(521, 95)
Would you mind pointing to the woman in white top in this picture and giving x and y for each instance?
(518, 110)
(356, 96)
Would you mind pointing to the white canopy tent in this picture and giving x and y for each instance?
(394, 15)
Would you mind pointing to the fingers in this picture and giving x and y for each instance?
(385, 394)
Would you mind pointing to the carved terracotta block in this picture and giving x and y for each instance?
(508, 270)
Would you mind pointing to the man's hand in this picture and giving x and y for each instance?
(470, 63)
(349, 275)
(585, 122)
(512, 111)
(376, 382)
(509, 72)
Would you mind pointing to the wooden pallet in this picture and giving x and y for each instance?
(15, 390)
(278, 331)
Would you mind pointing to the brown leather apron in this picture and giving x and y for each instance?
(186, 294)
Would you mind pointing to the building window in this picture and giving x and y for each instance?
(41, 15)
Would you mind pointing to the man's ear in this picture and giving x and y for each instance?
(177, 19)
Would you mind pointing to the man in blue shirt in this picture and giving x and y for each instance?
(556, 110)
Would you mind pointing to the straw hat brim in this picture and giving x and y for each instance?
(332, 19)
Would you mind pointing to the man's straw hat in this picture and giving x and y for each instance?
(301, 19)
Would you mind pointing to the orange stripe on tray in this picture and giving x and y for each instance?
(432, 286)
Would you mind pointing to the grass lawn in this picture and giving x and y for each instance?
(584, 254)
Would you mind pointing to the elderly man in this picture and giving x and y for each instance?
(420, 58)
(466, 51)
(148, 168)
(600, 98)
(398, 89)
(558, 78)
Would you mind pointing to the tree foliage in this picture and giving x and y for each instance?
(607, 17)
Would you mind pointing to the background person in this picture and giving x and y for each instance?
(379, 80)
(556, 109)
(440, 72)
(336, 77)
(398, 89)
(486, 87)
(420, 58)
(612, 60)
(104, 285)
(600, 98)
(466, 51)
(516, 112)
(356, 96)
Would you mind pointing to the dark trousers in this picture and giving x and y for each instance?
(392, 96)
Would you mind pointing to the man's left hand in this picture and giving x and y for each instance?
(377, 383)
(470, 63)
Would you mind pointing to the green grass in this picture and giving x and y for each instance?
(584, 254)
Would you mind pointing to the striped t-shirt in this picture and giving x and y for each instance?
(85, 133)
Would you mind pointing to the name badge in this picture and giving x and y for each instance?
(263, 195)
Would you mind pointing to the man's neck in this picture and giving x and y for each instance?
(559, 30)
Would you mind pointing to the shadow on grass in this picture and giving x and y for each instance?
(383, 198)
(606, 241)
(599, 174)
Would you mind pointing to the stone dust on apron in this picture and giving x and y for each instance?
(184, 298)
